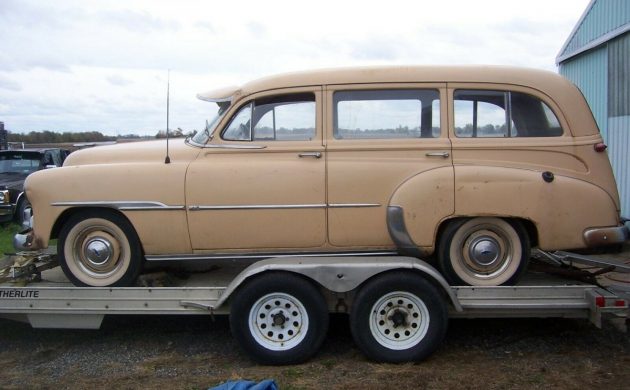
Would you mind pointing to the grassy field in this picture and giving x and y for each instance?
(6, 237)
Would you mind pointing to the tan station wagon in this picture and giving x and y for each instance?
(468, 167)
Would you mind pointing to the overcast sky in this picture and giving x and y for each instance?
(101, 66)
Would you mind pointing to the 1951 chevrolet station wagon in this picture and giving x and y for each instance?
(468, 166)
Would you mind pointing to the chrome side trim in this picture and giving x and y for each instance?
(347, 205)
(122, 205)
(257, 206)
(232, 146)
(151, 205)
(239, 256)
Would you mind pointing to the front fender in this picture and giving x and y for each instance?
(162, 229)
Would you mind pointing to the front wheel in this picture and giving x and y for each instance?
(398, 317)
(99, 249)
(279, 318)
(483, 252)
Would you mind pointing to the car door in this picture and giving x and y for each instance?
(260, 183)
(380, 137)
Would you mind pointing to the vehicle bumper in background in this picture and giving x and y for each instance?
(606, 236)
(6, 212)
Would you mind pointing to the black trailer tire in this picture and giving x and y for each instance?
(398, 317)
(279, 318)
(99, 248)
(483, 251)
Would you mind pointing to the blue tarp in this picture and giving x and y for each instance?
(267, 384)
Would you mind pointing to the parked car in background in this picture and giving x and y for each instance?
(468, 166)
(15, 166)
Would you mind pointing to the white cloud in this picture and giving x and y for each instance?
(74, 65)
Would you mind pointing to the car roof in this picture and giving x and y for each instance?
(544, 81)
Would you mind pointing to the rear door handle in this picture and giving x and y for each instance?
(310, 154)
(438, 154)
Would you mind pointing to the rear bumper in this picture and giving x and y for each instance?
(606, 236)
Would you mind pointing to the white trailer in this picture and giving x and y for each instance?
(399, 306)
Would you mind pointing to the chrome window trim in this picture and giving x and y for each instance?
(190, 142)
(122, 205)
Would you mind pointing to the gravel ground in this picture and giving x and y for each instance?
(194, 352)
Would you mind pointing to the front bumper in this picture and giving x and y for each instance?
(23, 241)
(606, 236)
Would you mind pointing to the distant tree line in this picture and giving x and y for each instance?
(51, 137)
(177, 133)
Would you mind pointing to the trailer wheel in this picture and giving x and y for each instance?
(279, 318)
(99, 249)
(483, 252)
(398, 317)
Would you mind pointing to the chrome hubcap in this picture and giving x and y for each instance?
(98, 251)
(484, 251)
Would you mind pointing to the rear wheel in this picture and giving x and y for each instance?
(483, 252)
(398, 317)
(99, 248)
(279, 318)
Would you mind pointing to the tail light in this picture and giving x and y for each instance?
(600, 301)
(600, 147)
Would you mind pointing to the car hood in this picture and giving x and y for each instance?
(128, 152)
(12, 181)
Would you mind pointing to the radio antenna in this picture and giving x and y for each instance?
(167, 160)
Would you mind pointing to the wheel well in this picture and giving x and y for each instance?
(528, 225)
(419, 273)
(67, 214)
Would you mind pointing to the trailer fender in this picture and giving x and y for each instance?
(340, 274)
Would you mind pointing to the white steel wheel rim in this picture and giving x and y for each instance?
(98, 250)
(399, 320)
(493, 235)
(278, 321)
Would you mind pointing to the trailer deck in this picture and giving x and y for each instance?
(53, 302)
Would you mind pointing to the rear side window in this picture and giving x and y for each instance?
(378, 114)
(481, 113)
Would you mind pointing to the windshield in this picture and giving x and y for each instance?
(203, 136)
(19, 163)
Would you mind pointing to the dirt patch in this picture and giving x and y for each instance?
(195, 353)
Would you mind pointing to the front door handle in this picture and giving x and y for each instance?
(438, 154)
(310, 154)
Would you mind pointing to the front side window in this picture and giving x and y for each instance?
(379, 114)
(280, 118)
(482, 113)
